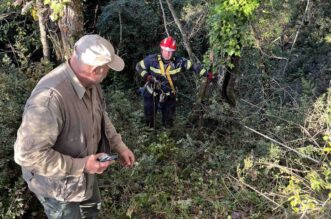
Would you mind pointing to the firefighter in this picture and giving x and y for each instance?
(160, 73)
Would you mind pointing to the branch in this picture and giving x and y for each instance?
(296, 36)
(199, 23)
(184, 34)
(121, 32)
(164, 18)
(258, 45)
(281, 144)
(257, 191)
(42, 29)
(5, 15)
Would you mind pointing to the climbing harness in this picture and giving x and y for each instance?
(166, 73)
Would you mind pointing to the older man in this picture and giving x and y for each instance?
(65, 129)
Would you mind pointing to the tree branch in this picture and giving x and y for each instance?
(164, 18)
(296, 36)
(181, 29)
(287, 147)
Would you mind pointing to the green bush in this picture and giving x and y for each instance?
(15, 88)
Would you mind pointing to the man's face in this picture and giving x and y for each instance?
(166, 55)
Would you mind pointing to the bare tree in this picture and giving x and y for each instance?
(42, 28)
(182, 31)
(164, 18)
(71, 26)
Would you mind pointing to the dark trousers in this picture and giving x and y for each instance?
(168, 109)
(88, 209)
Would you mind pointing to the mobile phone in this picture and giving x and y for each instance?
(106, 157)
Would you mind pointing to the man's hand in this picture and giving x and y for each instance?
(93, 166)
(127, 158)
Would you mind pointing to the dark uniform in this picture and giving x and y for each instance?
(158, 90)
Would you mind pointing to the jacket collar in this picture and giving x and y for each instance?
(78, 87)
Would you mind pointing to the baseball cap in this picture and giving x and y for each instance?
(95, 50)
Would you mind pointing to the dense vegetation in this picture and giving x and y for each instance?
(266, 156)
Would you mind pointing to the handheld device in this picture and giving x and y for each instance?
(106, 157)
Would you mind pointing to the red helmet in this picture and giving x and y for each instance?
(168, 44)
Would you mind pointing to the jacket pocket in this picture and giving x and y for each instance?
(73, 188)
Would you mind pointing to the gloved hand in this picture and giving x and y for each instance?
(150, 78)
(154, 81)
(210, 76)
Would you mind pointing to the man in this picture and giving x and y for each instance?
(65, 127)
(160, 72)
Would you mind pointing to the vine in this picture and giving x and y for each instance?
(57, 7)
(228, 25)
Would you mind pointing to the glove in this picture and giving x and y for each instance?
(210, 76)
(150, 78)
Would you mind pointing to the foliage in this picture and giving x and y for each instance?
(15, 87)
(57, 8)
(136, 27)
(228, 23)
(18, 45)
(212, 167)
(133, 27)
(311, 194)
(18, 36)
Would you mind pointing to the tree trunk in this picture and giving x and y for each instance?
(181, 29)
(228, 87)
(71, 26)
(42, 28)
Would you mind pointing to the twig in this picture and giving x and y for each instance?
(290, 171)
(95, 16)
(229, 190)
(181, 30)
(275, 40)
(164, 18)
(303, 214)
(3, 16)
(258, 45)
(121, 32)
(14, 52)
(287, 147)
(271, 56)
(286, 169)
(257, 191)
(199, 22)
(310, 137)
(296, 36)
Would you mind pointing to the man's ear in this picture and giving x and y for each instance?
(95, 70)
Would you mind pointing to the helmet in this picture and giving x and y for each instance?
(168, 44)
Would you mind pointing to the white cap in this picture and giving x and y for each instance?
(96, 51)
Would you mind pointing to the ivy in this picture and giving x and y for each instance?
(228, 24)
(57, 7)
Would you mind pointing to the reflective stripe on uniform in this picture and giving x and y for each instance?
(142, 64)
(151, 91)
(175, 71)
(143, 73)
(155, 70)
(172, 72)
(202, 72)
(189, 64)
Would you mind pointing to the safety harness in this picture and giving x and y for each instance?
(166, 73)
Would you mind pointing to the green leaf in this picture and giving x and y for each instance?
(47, 2)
